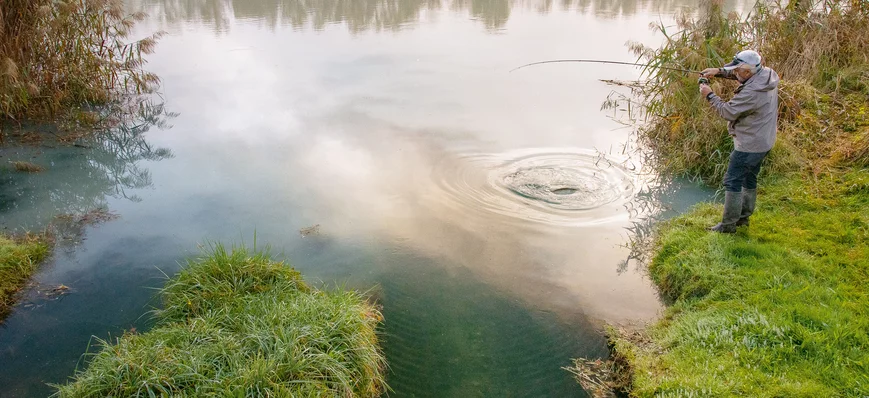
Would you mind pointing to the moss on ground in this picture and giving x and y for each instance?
(18, 260)
(780, 309)
(236, 323)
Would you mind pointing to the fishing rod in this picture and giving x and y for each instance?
(597, 61)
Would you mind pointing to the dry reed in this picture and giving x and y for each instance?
(59, 55)
(820, 50)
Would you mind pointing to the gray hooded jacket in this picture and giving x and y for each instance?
(752, 113)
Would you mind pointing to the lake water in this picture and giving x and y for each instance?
(487, 210)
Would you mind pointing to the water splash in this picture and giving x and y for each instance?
(576, 187)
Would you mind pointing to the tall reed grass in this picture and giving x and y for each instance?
(57, 55)
(819, 48)
(235, 323)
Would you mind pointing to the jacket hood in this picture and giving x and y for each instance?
(765, 80)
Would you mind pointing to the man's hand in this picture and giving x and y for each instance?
(705, 90)
(709, 72)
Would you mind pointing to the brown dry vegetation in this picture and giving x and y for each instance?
(27, 167)
(819, 48)
(58, 56)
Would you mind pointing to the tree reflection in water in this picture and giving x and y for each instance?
(363, 15)
(79, 179)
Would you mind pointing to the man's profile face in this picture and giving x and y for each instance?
(742, 74)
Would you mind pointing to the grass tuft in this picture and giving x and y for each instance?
(18, 260)
(235, 323)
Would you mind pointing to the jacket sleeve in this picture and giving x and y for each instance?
(742, 103)
(725, 74)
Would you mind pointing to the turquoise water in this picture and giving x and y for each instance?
(436, 176)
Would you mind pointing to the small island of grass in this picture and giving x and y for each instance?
(236, 323)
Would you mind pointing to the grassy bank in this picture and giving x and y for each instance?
(18, 260)
(781, 309)
(235, 323)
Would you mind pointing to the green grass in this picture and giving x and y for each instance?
(18, 260)
(236, 324)
(780, 309)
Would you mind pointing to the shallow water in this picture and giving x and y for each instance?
(486, 209)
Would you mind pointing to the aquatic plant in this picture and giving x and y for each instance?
(26, 167)
(18, 260)
(819, 48)
(60, 55)
(235, 323)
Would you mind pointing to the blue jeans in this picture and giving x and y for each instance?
(742, 170)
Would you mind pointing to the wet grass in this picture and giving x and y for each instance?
(235, 323)
(18, 260)
(779, 309)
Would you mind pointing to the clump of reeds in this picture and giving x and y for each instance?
(819, 48)
(58, 55)
(235, 323)
(611, 378)
(682, 133)
(27, 167)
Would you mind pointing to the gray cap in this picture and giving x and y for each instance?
(746, 57)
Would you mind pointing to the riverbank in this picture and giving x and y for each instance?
(235, 322)
(780, 308)
(19, 259)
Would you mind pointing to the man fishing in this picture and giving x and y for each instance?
(752, 116)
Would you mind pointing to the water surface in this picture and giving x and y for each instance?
(486, 209)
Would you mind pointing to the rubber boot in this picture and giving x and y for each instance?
(732, 212)
(749, 201)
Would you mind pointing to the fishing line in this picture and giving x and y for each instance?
(596, 61)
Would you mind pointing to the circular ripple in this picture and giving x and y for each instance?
(568, 181)
(558, 187)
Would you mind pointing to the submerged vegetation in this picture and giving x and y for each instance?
(235, 323)
(780, 308)
(18, 260)
(27, 167)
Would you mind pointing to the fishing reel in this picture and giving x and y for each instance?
(703, 80)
